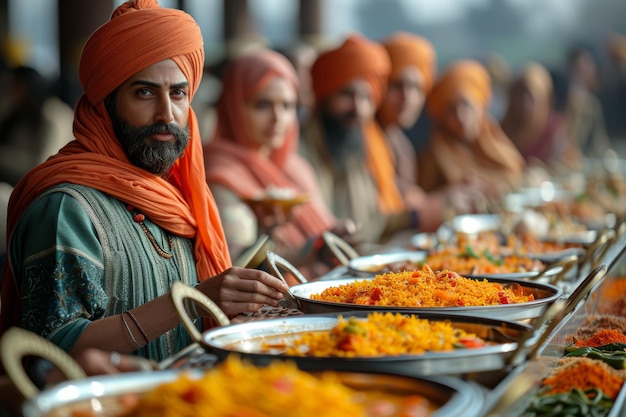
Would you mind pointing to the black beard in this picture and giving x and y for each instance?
(342, 142)
(153, 156)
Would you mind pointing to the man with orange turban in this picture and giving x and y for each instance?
(413, 66)
(100, 231)
(349, 150)
(467, 145)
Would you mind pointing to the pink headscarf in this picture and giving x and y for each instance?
(230, 159)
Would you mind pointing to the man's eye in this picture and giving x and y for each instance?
(179, 92)
(143, 92)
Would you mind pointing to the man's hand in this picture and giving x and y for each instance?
(239, 290)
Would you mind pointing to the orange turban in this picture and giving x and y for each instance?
(357, 57)
(406, 49)
(464, 76)
(139, 34)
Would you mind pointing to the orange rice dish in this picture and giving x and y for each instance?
(469, 262)
(383, 334)
(238, 389)
(424, 288)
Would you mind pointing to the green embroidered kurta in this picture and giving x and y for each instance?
(79, 256)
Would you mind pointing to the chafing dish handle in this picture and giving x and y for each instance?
(17, 343)
(180, 292)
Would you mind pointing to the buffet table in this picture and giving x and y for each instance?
(487, 383)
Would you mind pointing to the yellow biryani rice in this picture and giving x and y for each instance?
(424, 288)
(457, 260)
(383, 334)
(238, 389)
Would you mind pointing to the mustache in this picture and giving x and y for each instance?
(160, 128)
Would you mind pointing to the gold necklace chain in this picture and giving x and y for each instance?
(139, 218)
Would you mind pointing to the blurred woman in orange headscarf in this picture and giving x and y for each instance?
(539, 133)
(252, 159)
(467, 145)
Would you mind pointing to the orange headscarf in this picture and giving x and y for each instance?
(360, 58)
(409, 50)
(493, 151)
(231, 161)
(139, 34)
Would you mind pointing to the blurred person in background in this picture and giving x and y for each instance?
(584, 113)
(348, 148)
(253, 156)
(467, 146)
(413, 70)
(532, 124)
(34, 126)
(612, 94)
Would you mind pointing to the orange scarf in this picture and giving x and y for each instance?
(183, 205)
(232, 160)
(358, 57)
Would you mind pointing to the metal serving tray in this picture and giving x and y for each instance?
(374, 264)
(370, 265)
(248, 339)
(103, 396)
(544, 295)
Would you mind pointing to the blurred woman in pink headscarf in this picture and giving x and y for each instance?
(252, 158)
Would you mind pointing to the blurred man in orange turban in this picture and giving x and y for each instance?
(467, 145)
(347, 146)
(413, 68)
(100, 231)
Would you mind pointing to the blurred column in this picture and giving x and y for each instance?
(310, 20)
(237, 21)
(77, 20)
(240, 33)
(4, 19)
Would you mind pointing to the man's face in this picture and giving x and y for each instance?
(352, 105)
(405, 98)
(149, 113)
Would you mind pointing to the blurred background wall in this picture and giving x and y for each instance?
(48, 34)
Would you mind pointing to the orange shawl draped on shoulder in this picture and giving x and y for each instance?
(139, 34)
(231, 158)
(360, 58)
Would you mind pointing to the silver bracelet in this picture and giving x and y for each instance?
(141, 330)
(132, 336)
